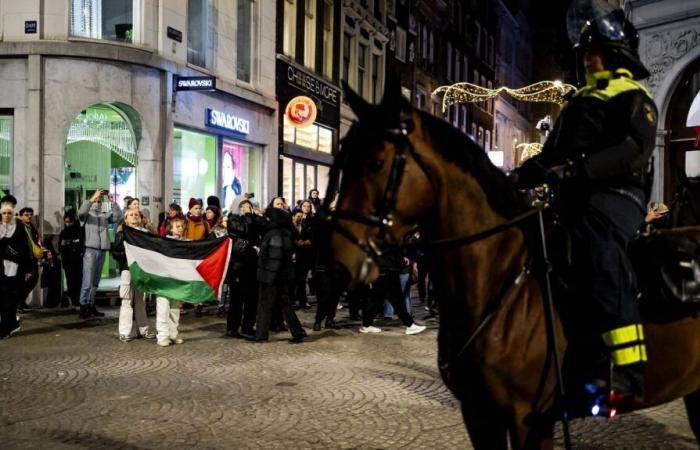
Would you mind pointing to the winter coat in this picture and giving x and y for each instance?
(275, 264)
(70, 244)
(195, 231)
(14, 248)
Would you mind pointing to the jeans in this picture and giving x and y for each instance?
(92, 269)
(405, 279)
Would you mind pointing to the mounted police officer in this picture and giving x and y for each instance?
(599, 155)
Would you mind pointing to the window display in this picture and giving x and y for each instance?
(241, 172)
(194, 166)
(5, 154)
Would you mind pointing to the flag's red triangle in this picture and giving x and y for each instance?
(213, 267)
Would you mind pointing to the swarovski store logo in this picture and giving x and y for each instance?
(226, 121)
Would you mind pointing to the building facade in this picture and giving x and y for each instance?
(670, 48)
(90, 103)
(308, 93)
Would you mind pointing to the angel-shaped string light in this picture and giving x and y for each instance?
(528, 150)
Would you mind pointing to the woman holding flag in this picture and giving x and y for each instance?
(132, 301)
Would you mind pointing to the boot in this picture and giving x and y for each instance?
(94, 312)
(330, 323)
(317, 326)
(84, 312)
(628, 381)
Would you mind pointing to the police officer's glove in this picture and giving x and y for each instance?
(530, 174)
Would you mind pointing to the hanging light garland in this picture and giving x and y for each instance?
(542, 91)
(528, 150)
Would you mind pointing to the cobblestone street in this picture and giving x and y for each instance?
(69, 384)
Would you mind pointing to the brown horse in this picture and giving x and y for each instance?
(403, 169)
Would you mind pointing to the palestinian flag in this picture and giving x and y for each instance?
(189, 271)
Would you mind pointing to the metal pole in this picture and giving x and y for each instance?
(551, 335)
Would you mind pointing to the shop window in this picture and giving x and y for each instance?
(102, 19)
(287, 173)
(198, 31)
(244, 40)
(310, 179)
(322, 173)
(241, 172)
(298, 183)
(5, 155)
(328, 39)
(289, 32)
(194, 166)
(325, 140)
(310, 34)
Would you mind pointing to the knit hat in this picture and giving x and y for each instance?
(213, 200)
(193, 202)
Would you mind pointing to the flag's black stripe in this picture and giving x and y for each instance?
(171, 248)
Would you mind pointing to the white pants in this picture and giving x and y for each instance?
(132, 302)
(167, 318)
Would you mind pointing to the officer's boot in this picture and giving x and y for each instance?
(628, 357)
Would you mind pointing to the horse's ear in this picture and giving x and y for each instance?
(358, 104)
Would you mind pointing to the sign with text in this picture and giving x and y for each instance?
(294, 81)
(174, 34)
(30, 27)
(195, 83)
(220, 119)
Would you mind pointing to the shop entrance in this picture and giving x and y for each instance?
(101, 153)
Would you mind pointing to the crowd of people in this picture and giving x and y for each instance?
(274, 268)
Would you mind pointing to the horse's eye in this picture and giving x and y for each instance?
(376, 165)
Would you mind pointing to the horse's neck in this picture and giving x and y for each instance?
(471, 276)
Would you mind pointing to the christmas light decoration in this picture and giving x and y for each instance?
(542, 91)
(528, 150)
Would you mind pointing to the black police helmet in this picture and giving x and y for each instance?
(595, 25)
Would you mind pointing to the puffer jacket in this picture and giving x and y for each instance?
(275, 264)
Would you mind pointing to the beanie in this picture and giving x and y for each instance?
(194, 201)
(213, 200)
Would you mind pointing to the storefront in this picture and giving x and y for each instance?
(309, 125)
(221, 146)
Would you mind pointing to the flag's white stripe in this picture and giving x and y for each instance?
(161, 265)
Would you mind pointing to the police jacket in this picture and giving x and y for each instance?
(275, 265)
(607, 133)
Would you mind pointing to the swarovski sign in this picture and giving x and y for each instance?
(195, 83)
(220, 119)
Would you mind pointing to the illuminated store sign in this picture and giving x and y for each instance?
(226, 121)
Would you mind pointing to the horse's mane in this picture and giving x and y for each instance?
(457, 147)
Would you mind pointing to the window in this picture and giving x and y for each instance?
(391, 8)
(376, 78)
(194, 165)
(487, 141)
(241, 171)
(480, 137)
(449, 61)
(5, 155)
(347, 47)
(361, 68)
(289, 38)
(378, 13)
(465, 70)
(244, 40)
(400, 53)
(197, 32)
(473, 132)
(421, 96)
(328, 39)
(458, 68)
(463, 125)
(310, 34)
(313, 137)
(102, 19)
(431, 47)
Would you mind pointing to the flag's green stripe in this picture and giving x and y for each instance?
(186, 291)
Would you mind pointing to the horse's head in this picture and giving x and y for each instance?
(385, 189)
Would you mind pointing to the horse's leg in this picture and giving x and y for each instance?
(692, 407)
(534, 432)
(486, 431)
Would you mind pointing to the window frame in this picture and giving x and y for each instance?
(11, 150)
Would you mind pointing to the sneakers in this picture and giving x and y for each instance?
(94, 312)
(415, 329)
(164, 342)
(370, 329)
(124, 338)
(10, 333)
(84, 312)
(148, 335)
(177, 341)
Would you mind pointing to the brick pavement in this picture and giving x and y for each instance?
(69, 384)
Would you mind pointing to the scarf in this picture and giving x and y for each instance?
(7, 230)
(195, 219)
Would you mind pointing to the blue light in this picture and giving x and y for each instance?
(595, 410)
